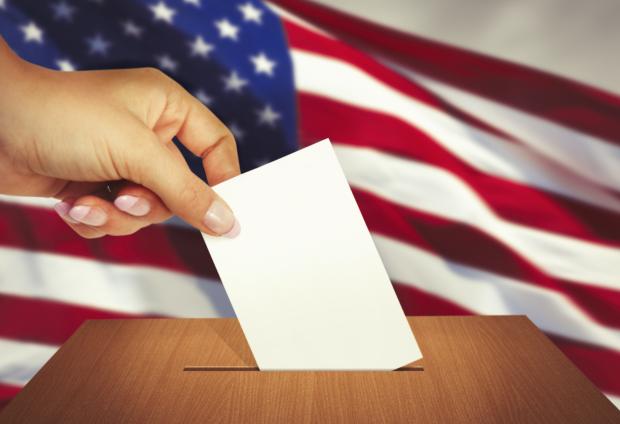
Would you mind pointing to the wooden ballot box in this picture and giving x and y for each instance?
(475, 369)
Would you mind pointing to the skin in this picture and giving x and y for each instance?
(67, 135)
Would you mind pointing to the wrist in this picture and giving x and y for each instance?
(10, 65)
(18, 87)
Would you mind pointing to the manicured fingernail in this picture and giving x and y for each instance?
(234, 231)
(133, 205)
(62, 209)
(88, 215)
(219, 218)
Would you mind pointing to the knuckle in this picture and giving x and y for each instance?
(190, 193)
(224, 139)
(176, 108)
(159, 218)
(137, 169)
(165, 98)
(120, 225)
(88, 233)
(152, 83)
(228, 137)
(93, 236)
(150, 74)
(129, 230)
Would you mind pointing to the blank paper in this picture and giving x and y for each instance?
(303, 276)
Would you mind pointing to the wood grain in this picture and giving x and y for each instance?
(476, 369)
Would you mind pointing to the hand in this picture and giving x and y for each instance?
(69, 135)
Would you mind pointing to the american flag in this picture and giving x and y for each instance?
(489, 187)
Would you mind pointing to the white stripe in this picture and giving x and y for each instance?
(20, 361)
(41, 202)
(570, 38)
(282, 13)
(123, 288)
(341, 81)
(424, 187)
(485, 293)
(585, 154)
(614, 399)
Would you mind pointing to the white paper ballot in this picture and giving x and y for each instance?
(304, 276)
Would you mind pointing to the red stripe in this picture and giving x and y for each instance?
(7, 393)
(555, 98)
(301, 38)
(451, 240)
(164, 246)
(321, 118)
(44, 321)
(601, 366)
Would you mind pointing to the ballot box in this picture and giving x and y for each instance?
(474, 369)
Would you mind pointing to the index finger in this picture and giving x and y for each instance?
(207, 137)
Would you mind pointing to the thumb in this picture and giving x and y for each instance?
(182, 192)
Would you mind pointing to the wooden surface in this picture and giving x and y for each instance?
(476, 369)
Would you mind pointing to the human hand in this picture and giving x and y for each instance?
(70, 135)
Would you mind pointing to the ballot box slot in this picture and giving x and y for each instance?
(219, 368)
(410, 367)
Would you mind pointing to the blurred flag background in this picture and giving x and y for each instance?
(481, 141)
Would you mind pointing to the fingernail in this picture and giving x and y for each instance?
(62, 209)
(219, 218)
(133, 205)
(234, 231)
(88, 215)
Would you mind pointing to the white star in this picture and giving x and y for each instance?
(161, 12)
(227, 29)
(267, 116)
(204, 97)
(237, 131)
(262, 64)
(98, 45)
(251, 13)
(32, 33)
(166, 63)
(132, 29)
(200, 47)
(63, 11)
(234, 83)
(192, 2)
(65, 65)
